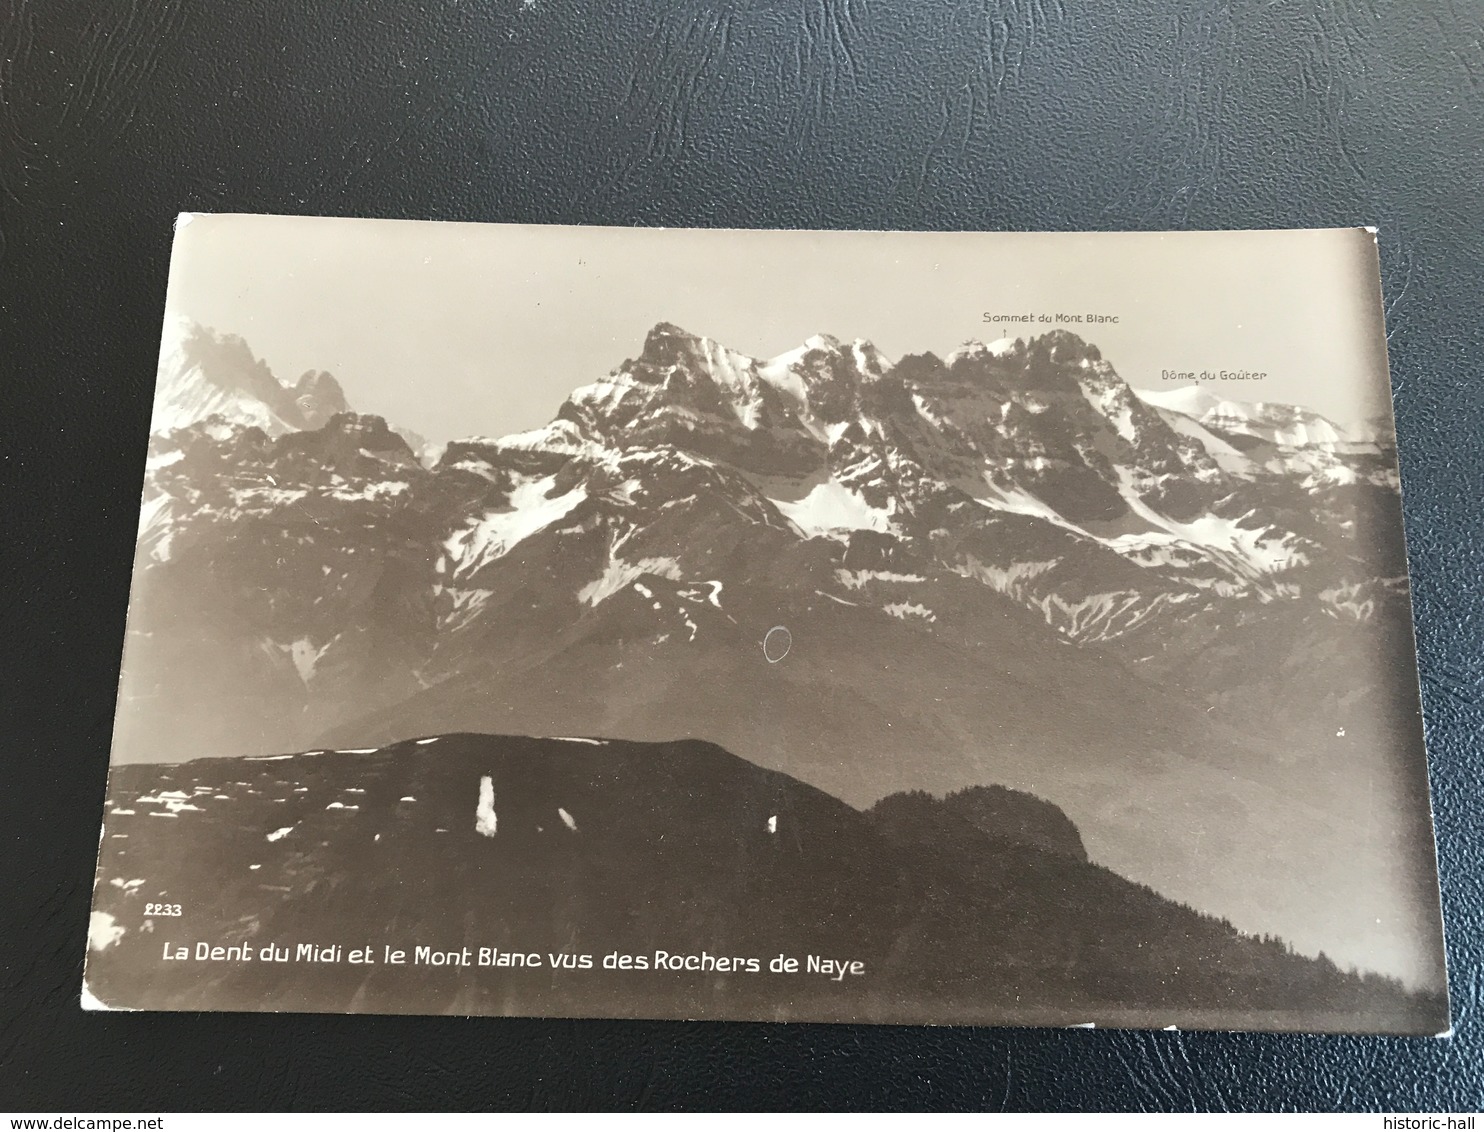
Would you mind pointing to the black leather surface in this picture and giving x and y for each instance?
(117, 114)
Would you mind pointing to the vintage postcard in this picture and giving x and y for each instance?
(950, 628)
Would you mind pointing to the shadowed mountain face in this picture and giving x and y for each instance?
(1183, 623)
(565, 852)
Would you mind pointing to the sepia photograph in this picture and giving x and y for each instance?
(932, 628)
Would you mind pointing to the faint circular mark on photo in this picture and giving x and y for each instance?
(776, 643)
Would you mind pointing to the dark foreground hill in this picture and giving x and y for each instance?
(668, 880)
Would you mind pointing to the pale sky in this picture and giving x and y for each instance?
(472, 329)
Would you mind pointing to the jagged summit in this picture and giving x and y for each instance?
(1027, 464)
(999, 348)
(318, 396)
(1065, 345)
(204, 373)
(666, 342)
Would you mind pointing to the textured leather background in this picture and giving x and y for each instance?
(117, 114)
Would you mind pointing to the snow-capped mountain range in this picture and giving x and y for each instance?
(1003, 565)
(204, 374)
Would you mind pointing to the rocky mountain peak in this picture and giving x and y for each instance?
(205, 373)
(351, 440)
(668, 345)
(319, 397)
(1065, 348)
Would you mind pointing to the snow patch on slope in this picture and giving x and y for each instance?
(780, 373)
(155, 519)
(617, 574)
(1227, 457)
(485, 821)
(1250, 552)
(306, 656)
(531, 508)
(103, 931)
(1005, 579)
(856, 579)
(1018, 501)
(831, 506)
